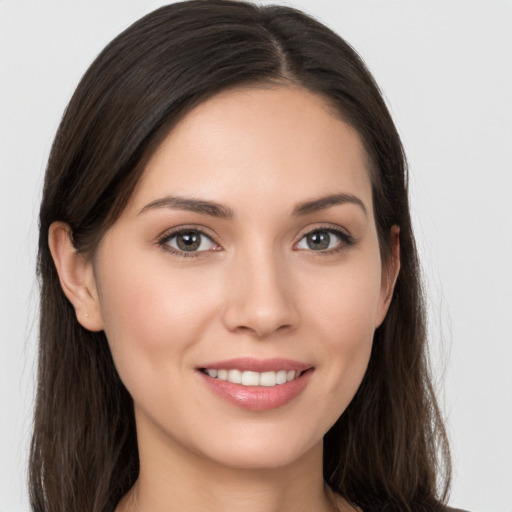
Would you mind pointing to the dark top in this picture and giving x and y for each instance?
(447, 509)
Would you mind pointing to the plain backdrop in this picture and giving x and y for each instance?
(445, 68)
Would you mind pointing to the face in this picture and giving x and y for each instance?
(248, 252)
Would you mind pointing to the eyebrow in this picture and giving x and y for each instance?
(322, 203)
(214, 209)
(192, 205)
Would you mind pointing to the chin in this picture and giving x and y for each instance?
(263, 452)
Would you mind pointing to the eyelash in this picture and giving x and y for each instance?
(346, 240)
(169, 235)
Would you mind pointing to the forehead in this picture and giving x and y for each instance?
(279, 144)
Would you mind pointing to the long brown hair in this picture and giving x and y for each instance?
(388, 450)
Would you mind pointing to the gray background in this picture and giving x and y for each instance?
(445, 67)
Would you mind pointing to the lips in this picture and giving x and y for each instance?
(249, 378)
(256, 384)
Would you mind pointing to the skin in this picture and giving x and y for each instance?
(255, 288)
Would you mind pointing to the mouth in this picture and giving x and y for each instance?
(256, 384)
(251, 378)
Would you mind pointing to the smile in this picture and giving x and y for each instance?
(256, 384)
(250, 378)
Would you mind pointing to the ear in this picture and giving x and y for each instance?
(389, 275)
(76, 276)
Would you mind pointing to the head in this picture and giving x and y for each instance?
(150, 94)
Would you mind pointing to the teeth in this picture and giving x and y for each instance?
(281, 377)
(248, 378)
(268, 379)
(235, 376)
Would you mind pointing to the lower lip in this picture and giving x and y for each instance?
(257, 398)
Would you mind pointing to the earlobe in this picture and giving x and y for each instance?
(389, 274)
(76, 276)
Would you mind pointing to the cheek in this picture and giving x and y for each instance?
(345, 302)
(342, 313)
(152, 314)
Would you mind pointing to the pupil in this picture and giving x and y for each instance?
(318, 240)
(188, 241)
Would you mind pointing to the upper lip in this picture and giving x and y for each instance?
(257, 365)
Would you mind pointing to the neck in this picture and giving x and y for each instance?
(173, 479)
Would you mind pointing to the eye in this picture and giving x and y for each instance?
(324, 240)
(188, 241)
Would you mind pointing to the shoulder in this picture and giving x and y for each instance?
(445, 509)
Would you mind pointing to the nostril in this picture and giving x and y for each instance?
(260, 307)
(261, 329)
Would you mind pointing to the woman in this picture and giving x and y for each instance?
(231, 314)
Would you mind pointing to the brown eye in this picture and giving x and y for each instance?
(324, 240)
(318, 240)
(189, 240)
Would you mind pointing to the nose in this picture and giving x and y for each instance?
(260, 299)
